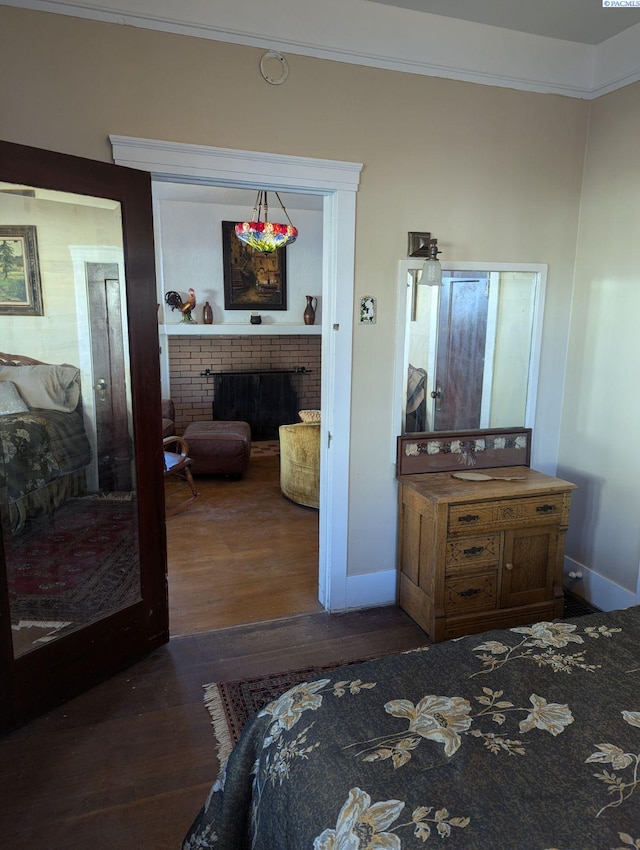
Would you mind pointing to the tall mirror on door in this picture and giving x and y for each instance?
(68, 489)
(469, 348)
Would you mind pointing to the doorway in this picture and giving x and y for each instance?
(337, 183)
(109, 396)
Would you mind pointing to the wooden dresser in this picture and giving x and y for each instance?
(478, 555)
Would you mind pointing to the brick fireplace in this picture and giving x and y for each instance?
(190, 356)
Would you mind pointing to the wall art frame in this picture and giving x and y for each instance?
(20, 282)
(456, 451)
(252, 280)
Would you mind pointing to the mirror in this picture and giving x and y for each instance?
(469, 349)
(68, 494)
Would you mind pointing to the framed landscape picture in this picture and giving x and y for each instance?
(252, 281)
(20, 286)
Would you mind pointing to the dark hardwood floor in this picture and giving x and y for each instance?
(129, 763)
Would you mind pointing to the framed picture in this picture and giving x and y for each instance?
(20, 287)
(252, 281)
(455, 451)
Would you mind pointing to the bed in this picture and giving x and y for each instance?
(45, 449)
(519, 739)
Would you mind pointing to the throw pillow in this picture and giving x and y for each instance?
(309, 415)
(45, 386)
(10, 399)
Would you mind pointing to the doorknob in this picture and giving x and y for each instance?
(101, 387)
(437, 394)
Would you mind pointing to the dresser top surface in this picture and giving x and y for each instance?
(443, 487)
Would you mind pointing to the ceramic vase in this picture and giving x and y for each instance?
(207, 314)
(309, 314)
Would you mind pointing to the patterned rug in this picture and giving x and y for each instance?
(232, 704)
(265, 448)
(72, 567)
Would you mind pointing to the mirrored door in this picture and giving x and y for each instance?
(81, 496)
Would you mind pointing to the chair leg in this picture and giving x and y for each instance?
(190, 482)
(186, 475)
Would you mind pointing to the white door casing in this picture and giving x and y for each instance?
(338, 183)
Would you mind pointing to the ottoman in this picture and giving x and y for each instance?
(219, 448)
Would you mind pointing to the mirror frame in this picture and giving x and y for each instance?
(35, 681)
(403, 315)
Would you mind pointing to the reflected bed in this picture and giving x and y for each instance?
(45, 449)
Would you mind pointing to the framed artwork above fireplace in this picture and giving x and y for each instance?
(252, 280)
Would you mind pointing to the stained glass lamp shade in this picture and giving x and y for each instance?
(263, 235)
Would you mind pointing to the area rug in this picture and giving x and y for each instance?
(265, 448)
(74, 566)
(232, 704)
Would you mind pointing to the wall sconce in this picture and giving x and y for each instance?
(431, 268)
(425, 245)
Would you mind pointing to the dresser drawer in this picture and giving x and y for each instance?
(504, 513)
(471, 592)
(463, 552)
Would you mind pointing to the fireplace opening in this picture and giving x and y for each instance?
(264, 399)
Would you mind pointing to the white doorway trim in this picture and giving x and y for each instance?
(338, 183)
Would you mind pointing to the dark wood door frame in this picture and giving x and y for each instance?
(37, 680)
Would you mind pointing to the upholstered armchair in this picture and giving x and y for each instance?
(300, 463)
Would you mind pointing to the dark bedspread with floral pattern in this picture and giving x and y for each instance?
(39, 447)
(520, 739)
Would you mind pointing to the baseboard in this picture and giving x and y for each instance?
(371, 590)
(597, 589)
(375, 589)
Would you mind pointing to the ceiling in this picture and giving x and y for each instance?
(584, 21)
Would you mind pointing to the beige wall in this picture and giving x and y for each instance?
(601, 416)
(494, 173)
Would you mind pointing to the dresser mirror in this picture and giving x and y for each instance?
(469, 349)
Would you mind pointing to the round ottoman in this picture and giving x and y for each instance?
(219, 448)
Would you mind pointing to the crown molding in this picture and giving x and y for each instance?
(393, 39)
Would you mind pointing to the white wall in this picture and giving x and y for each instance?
(191, 252)
(601, 410)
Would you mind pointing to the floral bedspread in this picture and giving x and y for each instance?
(38, 447)
(520, 739)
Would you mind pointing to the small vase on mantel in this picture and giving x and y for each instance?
(207, 314)
(309, 314)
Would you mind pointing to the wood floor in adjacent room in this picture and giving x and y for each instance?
(129, 763)
(241, 553)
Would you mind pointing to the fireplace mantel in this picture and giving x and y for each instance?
(185, 329)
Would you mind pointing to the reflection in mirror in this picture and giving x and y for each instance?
(67, 476)
(471, 348)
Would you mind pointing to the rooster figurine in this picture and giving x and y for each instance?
(174, 300)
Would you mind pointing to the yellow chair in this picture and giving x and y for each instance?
(300, 463)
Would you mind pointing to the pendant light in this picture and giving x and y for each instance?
(261, 234)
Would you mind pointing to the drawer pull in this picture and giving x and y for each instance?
(469, 518)
(509, 567)
(544, 509)
(473, 591)
(473, 550)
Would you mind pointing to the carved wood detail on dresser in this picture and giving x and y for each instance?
(479, 555)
